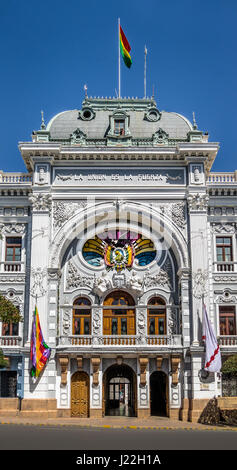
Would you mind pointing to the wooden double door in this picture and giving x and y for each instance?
(80, 395)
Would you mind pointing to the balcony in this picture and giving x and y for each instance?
(222, 178)
(227, 341)
(15, 178)
(9, 341)
(121, 341)
(224, 267)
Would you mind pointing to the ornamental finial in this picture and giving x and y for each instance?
(42, 121)
(194, 121)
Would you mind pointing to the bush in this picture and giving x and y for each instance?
(230, 366)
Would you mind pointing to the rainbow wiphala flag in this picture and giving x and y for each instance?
(39, 351)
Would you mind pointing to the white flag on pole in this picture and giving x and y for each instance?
(213, 354)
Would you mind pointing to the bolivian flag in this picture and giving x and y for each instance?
(125, 48)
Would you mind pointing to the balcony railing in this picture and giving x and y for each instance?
(15, 178)
(6, 341)
(222, 178)
(123, 340)
(12, 266)
(224, 267)
(227, 340)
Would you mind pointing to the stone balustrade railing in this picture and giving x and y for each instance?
(6, 341)
(123, 340)
(227, 340)
(15, 178)
(222, 178)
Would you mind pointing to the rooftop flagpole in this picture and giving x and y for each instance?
(145, 72)
(119, 71)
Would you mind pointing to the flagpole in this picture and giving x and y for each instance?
(145, 72)
(119, 71)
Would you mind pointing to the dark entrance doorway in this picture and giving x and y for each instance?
(158, 394)
(8, 384)
(119, 391)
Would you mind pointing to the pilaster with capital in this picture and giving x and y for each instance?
(185, 308)
(198, 204)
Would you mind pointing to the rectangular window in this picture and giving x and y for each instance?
(151, 326)
(13, 249)
(227, 320)
(161, 326)
(77, 326)
(119, 127)
(86, 326)
(123, 326)
(224, 249)
(114, 326)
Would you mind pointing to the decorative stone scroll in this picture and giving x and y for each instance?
(143, 361)
(224, 228)
(159, 360)
(13, 228)
(175, 360)
(63, 360)
(95, 362)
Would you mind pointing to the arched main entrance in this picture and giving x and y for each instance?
(119, 391)
(80, 395)
(158, 394)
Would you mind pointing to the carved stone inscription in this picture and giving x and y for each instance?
(118, 176)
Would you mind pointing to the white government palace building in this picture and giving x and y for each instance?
(118, 230)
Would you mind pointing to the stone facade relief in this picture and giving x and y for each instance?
(38, 284)
(74, 279)
(63, 211)
(224, 228)
(200, 283)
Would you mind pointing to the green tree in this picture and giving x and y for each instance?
(9, 313)
(230, 366)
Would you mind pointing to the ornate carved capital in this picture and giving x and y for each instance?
(41, 201)
(95, 362)
(143, 361)
(175, 360)
(198, 202)
(63, 360)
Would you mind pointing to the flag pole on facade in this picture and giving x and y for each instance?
(145, 71)
(212, 349)
(119, 68)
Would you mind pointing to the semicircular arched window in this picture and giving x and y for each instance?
(156, 313)
(119, 250)
(81, 324)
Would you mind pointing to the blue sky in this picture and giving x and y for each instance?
(50, 49)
